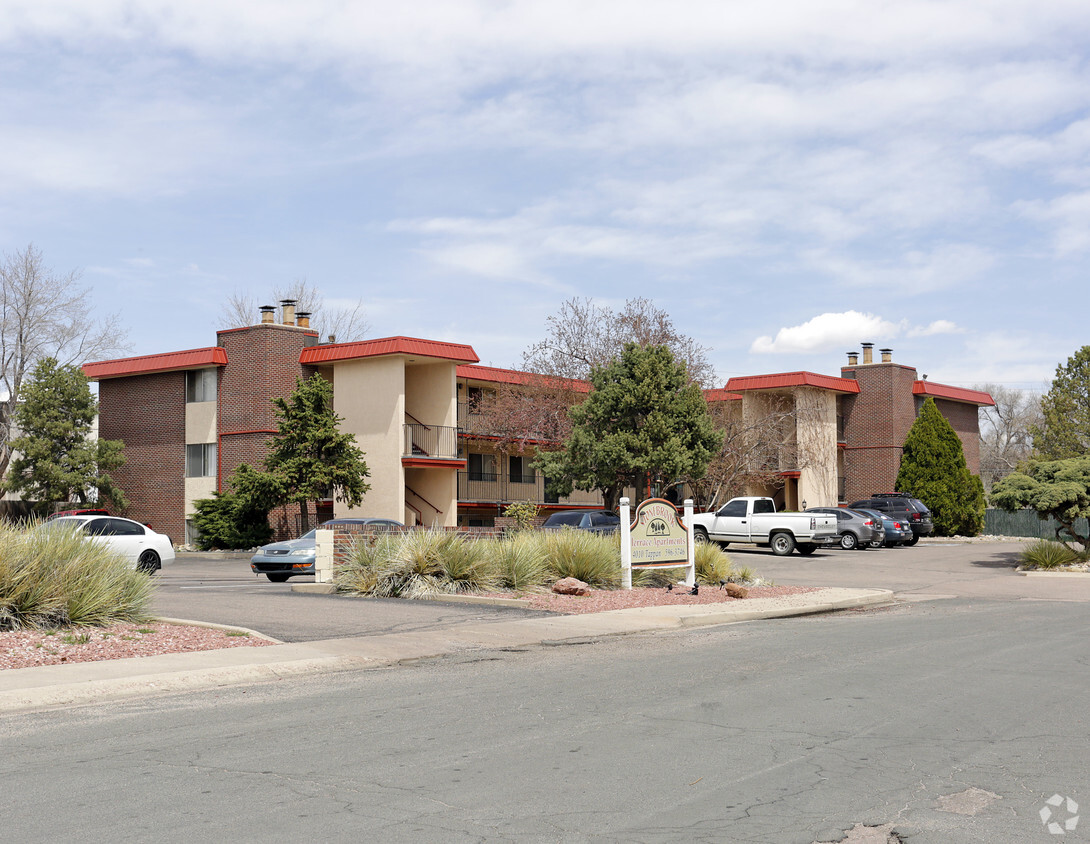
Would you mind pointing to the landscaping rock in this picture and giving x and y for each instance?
(571, 586)
(736, 591)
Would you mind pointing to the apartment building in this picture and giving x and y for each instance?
(847, 432)
(189, 418)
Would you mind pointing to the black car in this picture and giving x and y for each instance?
(595, 521)
(903, 508)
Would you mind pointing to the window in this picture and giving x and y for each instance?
(200, 385)
(200, 460)
(521, 472)
(733, 508)
(763, 505)
(482, 467)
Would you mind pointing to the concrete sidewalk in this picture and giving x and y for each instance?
(96, 682)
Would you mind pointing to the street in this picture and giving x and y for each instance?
(952, 719)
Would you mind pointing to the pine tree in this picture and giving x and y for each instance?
(57, 460)
(933, 469)
(644, 419)
(1065, 408)
(309, 456)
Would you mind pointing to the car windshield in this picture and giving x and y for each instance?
(572, 519)
(310, 534)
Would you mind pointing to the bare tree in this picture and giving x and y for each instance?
(583, 336)
(344, 324)
(43, 314)
(1005, 430)
(756, 449)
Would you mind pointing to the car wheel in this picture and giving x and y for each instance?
(700, 536)
(807, 548)
(876, 544)
(848, 541)
(782, 544)
(277, 576)
(149, 561)
(915, 538)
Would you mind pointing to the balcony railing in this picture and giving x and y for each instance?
(495, 488)
(433, 441)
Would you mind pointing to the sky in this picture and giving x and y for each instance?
(787, 180)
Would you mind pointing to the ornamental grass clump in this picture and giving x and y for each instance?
(519, 561)
(417, 564)
(593, 559)
(1046, 554)
(54, 577)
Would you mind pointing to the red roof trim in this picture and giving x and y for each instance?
(431, 462)
(721, 394)
(780, 380)
(146, 364)
(945, 391)
(332, 352)
(495, 375)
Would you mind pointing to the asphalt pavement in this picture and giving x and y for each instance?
(326, 633)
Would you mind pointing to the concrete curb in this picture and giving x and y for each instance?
(227, 628)
(50, 686)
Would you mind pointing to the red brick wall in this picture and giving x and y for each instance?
(147, 412)
(877, 420)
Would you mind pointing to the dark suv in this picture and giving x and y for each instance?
(903, 508)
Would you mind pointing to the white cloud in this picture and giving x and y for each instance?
(939, 326)
(825, 332)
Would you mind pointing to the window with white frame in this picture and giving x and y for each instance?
(200, 460)
(200, 385)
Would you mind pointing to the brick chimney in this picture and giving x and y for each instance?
(268, 314)
(853, 358)
(887, 355)
(868, 353)
(302, 319)
(287, 311)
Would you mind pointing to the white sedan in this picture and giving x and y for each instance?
(146, 549)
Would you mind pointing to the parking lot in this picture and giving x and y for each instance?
(220, 588)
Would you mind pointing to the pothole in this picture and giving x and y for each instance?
(863, 834)
(971, 801)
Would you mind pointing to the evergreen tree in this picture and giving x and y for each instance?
(1056, 489)
(309, 456)
(238, 518)
(644, 419)
(1065, 408)
(933, 469)
(57, 460)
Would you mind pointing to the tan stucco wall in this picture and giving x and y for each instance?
(196, 489)
(438, 487)
(816, 435)
(200, 422)
(430, 393)
(369, 395)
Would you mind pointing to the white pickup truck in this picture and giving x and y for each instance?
(755, 521)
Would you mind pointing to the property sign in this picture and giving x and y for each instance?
(658, 537)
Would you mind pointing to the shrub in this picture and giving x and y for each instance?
(1045, 554)
(594, 559)
(50, 578)
(228, 520)
(525, 514)
(417, 564)
(713, 566)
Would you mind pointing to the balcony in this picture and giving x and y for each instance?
(434, 442)
(493, 488)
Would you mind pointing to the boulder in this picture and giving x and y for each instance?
(736, 591)
(571, 586)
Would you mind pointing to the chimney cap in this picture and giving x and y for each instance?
(267, 308)
(287, 301)
(867, 345)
